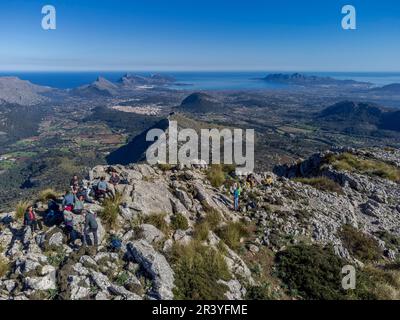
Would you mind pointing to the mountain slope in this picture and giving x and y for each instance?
(359, 116)
(16, 91)
(181, 238)
(199, 102)
(100, 87)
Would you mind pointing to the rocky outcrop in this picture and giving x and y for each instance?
(282, 213)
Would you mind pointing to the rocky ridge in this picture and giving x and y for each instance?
(43, 266)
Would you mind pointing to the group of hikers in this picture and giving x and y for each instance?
(250, 183)
(79, 193)
(72, 206)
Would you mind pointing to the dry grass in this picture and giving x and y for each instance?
(20, 209)
(216, 175)
(4, 267)
(352, 163)
(48, 194)
(321, 183)
(110, 212)
(197, 271)
(158, 220)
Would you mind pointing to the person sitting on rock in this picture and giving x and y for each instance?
(74, 183)
(69, 225)
(31, 220)
(68, 201)
(114, 179)
(86, 191)
(79, 204)
(268, 181)
(91, 226)
(102, 188)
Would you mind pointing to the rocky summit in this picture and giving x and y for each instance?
(180, 237)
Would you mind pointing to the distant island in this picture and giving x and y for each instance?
(311, 80)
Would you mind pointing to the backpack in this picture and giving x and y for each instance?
(68, 218)
(116, 244)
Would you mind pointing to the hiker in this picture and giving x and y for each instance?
(69, 225)
(269, 181)
(74, 183)
(86, 191)
(68, 201)
(114, 179)
(102, 188)
(54, 213)
(79, 204)
(236, 195)
(90, 227)
(30, 219)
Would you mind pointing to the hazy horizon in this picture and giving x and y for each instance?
(200, 36)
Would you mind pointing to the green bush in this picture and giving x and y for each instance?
(392, 241)
(216, 175)
(232, 233)
(197, 271)
(321, 183)
(110, 212)
(55, 257)
(311, 271)
(377, 284)
(360, 245)
(179, 222)
(158, 220)
(260, 292)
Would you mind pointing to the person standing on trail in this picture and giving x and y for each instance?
(236, 195)
(30, 219)
(69, 225)
(91, 226)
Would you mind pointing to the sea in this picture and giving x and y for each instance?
(197, 80)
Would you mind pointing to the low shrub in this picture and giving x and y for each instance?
(232, 233)
(392, 241)
(179, 222)
(110, 212)
(377, 284)
(360, 245)
(158, 220)
(197, 271)
(20, 209)
(372, 167)
(4, 267)
(321, 183)
(165, 167)
(213, 219)
(216, 175)
(48, 194)
(201, 231)
(311, 271)
(260, 292)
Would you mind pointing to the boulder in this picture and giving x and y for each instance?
(151, 234)
(56, 239)
(46, 282)
(156, 266)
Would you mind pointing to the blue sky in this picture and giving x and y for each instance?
(200, 35)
